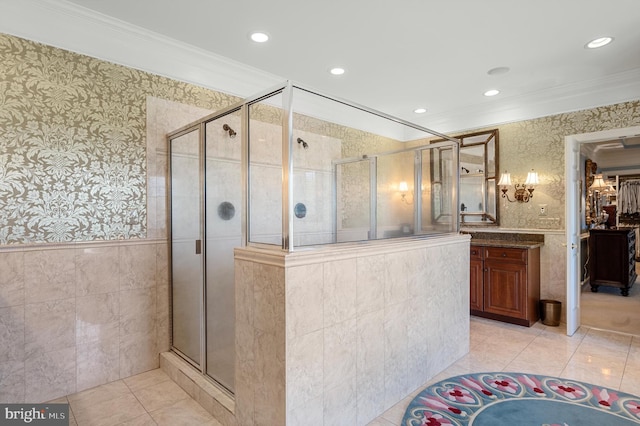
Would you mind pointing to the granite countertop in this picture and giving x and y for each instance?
(509, 240)
(505, 243)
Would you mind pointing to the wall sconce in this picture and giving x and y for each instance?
(404, 188)
(523, 192)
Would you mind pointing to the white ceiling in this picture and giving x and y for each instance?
(399, 55)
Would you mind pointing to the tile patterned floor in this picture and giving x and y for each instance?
(591, 355)
(147, 399)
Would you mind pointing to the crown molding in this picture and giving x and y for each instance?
(71, 27)
(622, 87)
(68, 26)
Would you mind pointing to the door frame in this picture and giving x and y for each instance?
(572, 214)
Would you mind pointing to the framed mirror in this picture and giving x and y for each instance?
(478, 181)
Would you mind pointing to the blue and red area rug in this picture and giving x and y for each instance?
(485, 399)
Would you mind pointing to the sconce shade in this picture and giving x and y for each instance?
(598, 183)
(532, 178)
(403, 187)
(505, 179)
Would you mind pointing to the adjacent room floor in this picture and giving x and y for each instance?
(604, 358)
(609, 310)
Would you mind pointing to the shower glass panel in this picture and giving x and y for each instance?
(366, 162)
(186, 244)
(396, 195)
(265, 170)
(223, 201)
(353, 201)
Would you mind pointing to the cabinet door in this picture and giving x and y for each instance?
(476, 279)
(505, 289)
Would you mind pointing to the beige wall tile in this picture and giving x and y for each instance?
(339, 354)
(137, 266)
(137, 311)
(305, 368)
(370, 397)
(244, 280)
(396, 281)
(12, 382)
(97, 318)
(269, 303)
(50, 375)
(97, 270)
(370, 342)
(304, 299)
(138, 353)
(11, 279)
(340, 407)
(49, 326)
(49, 275)
(12, 333)
(370, 283)
(98, 362)
(339, 291)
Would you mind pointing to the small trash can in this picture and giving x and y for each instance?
(550, 311)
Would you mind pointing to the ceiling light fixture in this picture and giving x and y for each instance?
(259, 37)
(420, 110)
(598, 42)
(337, 71)
(498, 70)
(491, 92)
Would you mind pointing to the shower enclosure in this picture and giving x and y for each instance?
(290, 169)
(206, 200)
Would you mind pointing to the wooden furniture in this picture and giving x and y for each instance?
(612, 254)
(505, 283)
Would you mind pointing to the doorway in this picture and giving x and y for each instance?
(573, 213)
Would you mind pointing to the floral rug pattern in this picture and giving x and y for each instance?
(462, 400)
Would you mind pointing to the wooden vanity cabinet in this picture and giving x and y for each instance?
(508, 287)
(476, 279)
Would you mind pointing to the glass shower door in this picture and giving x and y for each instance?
(186, 244)
(223, 201)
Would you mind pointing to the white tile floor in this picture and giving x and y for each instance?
(591, 355)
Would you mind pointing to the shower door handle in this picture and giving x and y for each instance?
(198, 246)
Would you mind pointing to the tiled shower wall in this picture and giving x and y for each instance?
(73, 317)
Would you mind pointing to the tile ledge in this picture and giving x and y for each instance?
(173, 361)
(79, 244)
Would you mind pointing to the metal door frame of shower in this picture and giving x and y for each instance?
(287, 142)
(200, 126)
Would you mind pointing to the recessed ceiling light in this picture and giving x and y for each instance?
(598, 42)
(491, 92)
(337, 71)
(259, 37)
(498, 70)
(420, 110)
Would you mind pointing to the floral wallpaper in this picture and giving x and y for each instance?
(73, 163)
(72, 143)
(539, 144)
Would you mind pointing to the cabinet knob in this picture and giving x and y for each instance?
(504, 254)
